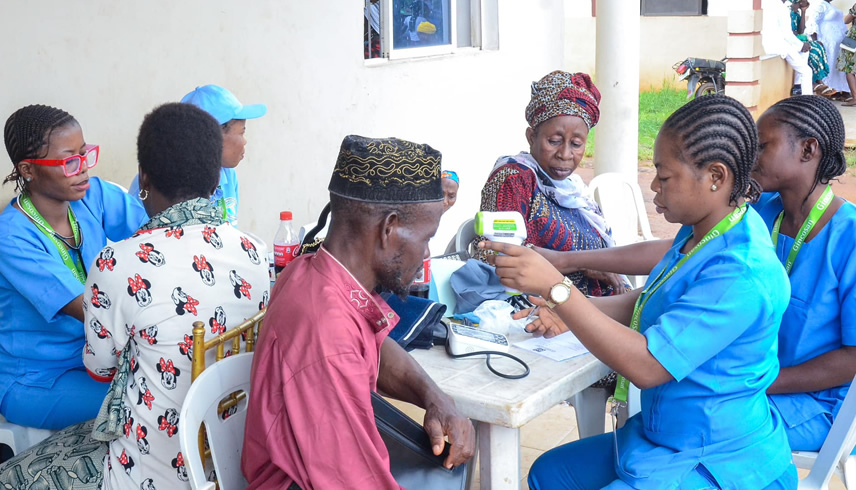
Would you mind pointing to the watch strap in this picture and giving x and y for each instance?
(566, 281)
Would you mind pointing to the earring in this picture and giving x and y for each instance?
(29, 179)
(713, 187)
(143, 194)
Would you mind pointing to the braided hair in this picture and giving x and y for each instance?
(27, 134)
(812, 116)
(717, 128)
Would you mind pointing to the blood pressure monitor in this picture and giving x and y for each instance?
(464, 340)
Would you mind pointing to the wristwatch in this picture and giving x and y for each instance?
(559, 293)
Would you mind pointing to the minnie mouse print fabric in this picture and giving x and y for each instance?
(145, 293)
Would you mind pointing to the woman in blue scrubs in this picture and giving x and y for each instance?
(801, 150)
(50, 235)
(703, 340)
(801, 140)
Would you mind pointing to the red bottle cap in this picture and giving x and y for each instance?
(285, 216)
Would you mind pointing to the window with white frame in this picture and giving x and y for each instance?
(410, 28)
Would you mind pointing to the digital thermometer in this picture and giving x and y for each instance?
(464, 340)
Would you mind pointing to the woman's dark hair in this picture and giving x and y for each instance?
(180, 148)
(27, 134)
(717, 128)
(812, 116)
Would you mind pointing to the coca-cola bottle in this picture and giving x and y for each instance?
(285, 244)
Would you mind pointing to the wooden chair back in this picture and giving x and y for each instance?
(201, 346)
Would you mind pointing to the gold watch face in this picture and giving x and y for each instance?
(560, 293)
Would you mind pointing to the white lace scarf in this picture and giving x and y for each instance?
(571, 193)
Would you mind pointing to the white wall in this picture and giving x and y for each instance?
(109, 63)
(663, 41)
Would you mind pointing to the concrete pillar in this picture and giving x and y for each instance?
(744, 51)
(617, 70)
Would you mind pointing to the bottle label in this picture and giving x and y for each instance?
(424, 274)
(283, 253)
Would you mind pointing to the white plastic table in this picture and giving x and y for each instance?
(501, 406)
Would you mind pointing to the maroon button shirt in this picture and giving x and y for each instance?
(310, 418)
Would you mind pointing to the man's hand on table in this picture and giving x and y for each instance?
(443, 420)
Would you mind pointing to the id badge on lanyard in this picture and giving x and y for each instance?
(623, 384)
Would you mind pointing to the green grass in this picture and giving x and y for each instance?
(849, 155)
(654, 107)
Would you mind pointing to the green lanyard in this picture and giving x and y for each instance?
(222, 203)
(728, 222)
(77, 269)
(812, 219)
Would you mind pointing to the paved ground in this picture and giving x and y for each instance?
(849, 116)
(844, 187)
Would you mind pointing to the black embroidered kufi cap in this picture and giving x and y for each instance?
(387, 170)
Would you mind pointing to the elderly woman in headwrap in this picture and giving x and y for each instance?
(541, 185)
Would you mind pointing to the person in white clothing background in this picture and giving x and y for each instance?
(826, 23)
(778, 38)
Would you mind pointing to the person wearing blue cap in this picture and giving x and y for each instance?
(232, 117)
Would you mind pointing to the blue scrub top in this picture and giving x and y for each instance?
(713, 326)
(37, 341)
(227, 188)
(821, 316)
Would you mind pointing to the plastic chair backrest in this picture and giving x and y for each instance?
(466, 233)
(210, 395)
(308, 226)
(837, 447)
(623, 207)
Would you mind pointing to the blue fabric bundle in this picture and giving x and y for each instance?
(475, 283)
(418, 316)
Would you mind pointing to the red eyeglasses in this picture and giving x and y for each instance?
(74, 164)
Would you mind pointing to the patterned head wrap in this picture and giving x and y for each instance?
(450, 174)
(563, 94)
(387, 170)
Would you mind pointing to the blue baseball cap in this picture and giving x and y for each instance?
(222, 104)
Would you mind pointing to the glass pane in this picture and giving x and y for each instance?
(371, 29)
(91, 158)
(420, 23)
(464, 21)
(72, 165)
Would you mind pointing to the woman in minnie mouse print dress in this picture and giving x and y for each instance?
(185, 265)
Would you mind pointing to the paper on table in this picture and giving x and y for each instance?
(559, 348)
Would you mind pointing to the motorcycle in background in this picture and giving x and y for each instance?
(703, 76)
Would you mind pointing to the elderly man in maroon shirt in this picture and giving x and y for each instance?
(324, 345)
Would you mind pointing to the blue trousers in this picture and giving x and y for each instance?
(590, 464)
(73, 398)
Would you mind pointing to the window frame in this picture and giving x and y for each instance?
(476, 41)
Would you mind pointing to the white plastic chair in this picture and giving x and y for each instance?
(20, 438)
(621, 201)
(623, 207)
(308, 226)
(466, 233)
(225, 437)
(834, 455)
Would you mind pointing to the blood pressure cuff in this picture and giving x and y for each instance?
(418, 316)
